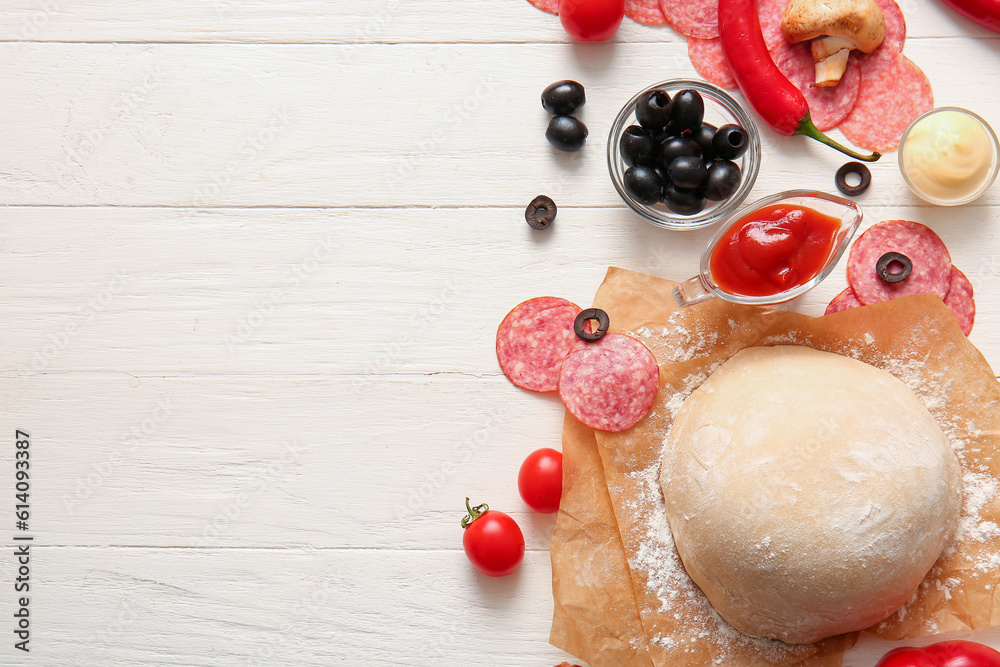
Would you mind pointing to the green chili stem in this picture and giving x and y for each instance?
(808, 129)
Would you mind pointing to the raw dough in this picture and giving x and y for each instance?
(808, 493)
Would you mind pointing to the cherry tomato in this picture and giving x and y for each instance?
(591, 20)
(540, 480)
(955, 653)
(492, 540)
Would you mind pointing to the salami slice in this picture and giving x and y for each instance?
(611, 384)
(895, 26)
(894, 91)
(843, 301)
(534, 339)
(550, 6)
(960, 301)
(694, 18)
(930, 273)
(769, 13)
(647, 12)
(828, 106)
(708, 59)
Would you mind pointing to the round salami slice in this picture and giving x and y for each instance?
(828, 106)
(534, 339)
(960, 301)
(769, 13)
(930, 260)
(647, 12)
(894, 91)
(611, 384)
(843, 301)
(694, 18)
(895, 26)
(550, 6)
(708, 59)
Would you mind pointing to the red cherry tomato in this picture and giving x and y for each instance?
(955, 653)
(540, 480)
(492, 540)
(591, 20)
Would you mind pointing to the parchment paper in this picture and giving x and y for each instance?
(608, 609)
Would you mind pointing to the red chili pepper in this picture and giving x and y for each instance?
(955, 653)
(984, 12)
(769, 92)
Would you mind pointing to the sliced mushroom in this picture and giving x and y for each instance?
(836, 27)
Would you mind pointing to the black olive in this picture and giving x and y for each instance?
(642, 183)
(590, 315)
(723, 179)
(683, 202)
(893, 267)
(730, 142)
(540, 212)
(703, 136)
(687, 173)
(566, 133)
(563, 97)
(637, 146)
(676, 147)
(864, 176)
(688, 111)
(652, 110)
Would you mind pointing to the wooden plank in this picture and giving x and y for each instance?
(287, 125)
(359, 292)
(346, 21)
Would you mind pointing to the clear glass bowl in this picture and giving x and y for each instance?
(720, 108)
(703, 287)
(929, 156)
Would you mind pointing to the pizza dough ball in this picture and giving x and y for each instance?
(808, 493)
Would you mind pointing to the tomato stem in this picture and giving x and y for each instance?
(474, 512)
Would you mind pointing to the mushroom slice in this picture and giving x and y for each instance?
(837, 27)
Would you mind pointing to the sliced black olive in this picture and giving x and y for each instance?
(687, 172)
(730, 142)
(703, 136)
(566, 133)
(637, 146)
(863, 173)
(652, 110)
(683, 202)
(540, 212)
(723, 179)
(688, 111)
(591, 315)
(643, 183)
(563, 97)
(676, 147)
(893, 267)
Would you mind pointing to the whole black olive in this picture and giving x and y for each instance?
(683, 202)
(730, 142)
(642, 183)
(676, 147)
(688, 111)
(637, 146)
(723, 179)
(687, 172)
(652, 110)
(703, 136)
(563, 97)
(566, 133)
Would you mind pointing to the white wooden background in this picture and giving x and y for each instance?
(252, 259)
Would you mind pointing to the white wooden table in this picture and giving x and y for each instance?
(252, 259)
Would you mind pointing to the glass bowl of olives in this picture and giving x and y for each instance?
(683, 154)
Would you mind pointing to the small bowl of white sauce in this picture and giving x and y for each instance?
(949, 156)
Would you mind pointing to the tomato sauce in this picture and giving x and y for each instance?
(773, 250)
